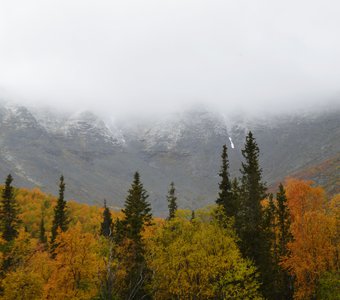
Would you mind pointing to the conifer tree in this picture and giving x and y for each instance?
(284, 237)
(106, 225)
(270, 231)
(193, 215)
(60, 220)
(277, 224)
(252, 192)
(270, 224)
(283, 216)
(42, 231)
(172, 201)
(236, 195)
(137, 210)
(137, 215)
(9, 212)
(254, 240)
(225, 197)
(118, 231)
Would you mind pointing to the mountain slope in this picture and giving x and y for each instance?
(98, 159)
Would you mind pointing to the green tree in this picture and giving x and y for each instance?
(225, 197)
(106, 225)
(284, 236)
(9, 212)
(283, 216)
(60, 220)
(172, 201)
(137, 211)
(236, 195)
(270, 225)
(137, 215)
(42, 231)
(250, 223)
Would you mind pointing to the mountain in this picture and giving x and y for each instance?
(99, 156)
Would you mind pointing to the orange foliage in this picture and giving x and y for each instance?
(76, 267)
(34, 204)
(314, 228)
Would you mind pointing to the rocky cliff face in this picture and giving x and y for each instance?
(98, 158)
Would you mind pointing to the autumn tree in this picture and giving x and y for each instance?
(60, 221)
(22, 284)
(199, 259)
(225, 197)
(106, 225)
(75, 267)
(9, 212)
(314, 248)
(21, 281)
(172, 201)
(16, 252)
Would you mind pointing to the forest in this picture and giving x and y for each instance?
(248, 244)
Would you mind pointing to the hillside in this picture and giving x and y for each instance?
(98, 156)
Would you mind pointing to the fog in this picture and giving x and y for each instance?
(153, 56)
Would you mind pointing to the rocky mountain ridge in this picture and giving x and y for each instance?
(98, 157)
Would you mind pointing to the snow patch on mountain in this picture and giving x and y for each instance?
(18, 117)
(231, 143)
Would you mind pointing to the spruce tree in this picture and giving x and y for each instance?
(254, 240)
(283, 216)
(118, 231)
(137, 215)
(270, 230)
(172, 201)
(284, 237)
(193, 215)
(225, 197)
(236, 195)
(270, 224)
(106, 225)
(137, 211)
(9, 212)
(252, 192)
(60, 220)
(42, 232)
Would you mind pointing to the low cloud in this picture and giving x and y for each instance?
(154, 56)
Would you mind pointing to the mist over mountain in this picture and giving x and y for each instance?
(98, 155)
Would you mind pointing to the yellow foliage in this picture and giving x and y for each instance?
(199, 260)
(22, 285)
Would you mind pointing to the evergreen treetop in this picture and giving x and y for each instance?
(252, 188)
(9, 212)
(137, 210)
(60, 212)
(172, 201)
(251, 223)
(225, 197)
(106, 225)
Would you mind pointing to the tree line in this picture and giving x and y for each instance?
(250, 245)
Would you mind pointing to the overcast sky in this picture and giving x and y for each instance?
(156, 55)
